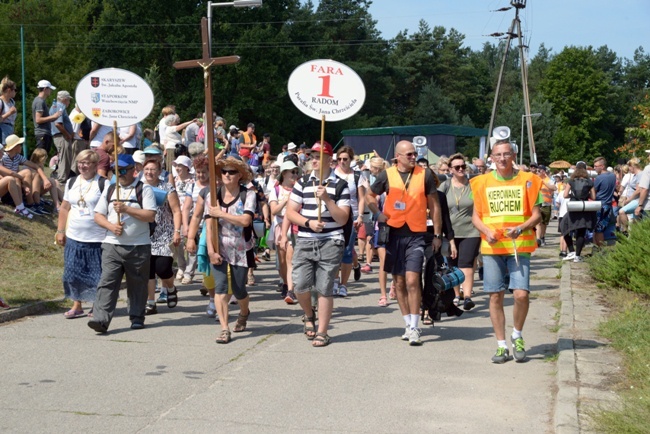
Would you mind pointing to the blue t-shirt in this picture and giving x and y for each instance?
(604, 184)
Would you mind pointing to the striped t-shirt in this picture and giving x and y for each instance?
(13, 164)
(304, 194)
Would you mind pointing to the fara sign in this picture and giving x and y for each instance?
(326, 88)
(112, 94)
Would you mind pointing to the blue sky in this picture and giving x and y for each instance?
(622, 25)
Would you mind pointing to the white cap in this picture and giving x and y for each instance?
(44, 83)
(233, 127)
(291, 146)
(184, 160)
(139, 156)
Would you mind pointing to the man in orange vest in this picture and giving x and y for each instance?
(548, 187)
(506, 209)
(411, 198)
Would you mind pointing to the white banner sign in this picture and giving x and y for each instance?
(114, 94)
(326, 88)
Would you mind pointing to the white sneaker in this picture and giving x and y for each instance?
(407, 333)
(414, 337)
(569, 256)
(179, 274)
(211, 310)
(577, 259)
(186, 280)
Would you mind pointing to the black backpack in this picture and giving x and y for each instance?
(436, 299)
(101, 182)
(138, 199)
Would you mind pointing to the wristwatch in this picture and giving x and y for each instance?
(307, 224)
(438, 236)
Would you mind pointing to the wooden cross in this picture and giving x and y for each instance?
(207, 62)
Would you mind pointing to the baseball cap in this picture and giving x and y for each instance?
(63, 94)
(542, 167)
(124, 160)
(184, 160)
(139, 157)
(44, 83)
(327, 148)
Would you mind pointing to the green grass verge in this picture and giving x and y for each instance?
(31, 265)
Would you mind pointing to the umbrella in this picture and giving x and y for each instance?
(560, 164)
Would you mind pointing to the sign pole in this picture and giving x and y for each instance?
(207, 63)
(117, 175)
(322, 146)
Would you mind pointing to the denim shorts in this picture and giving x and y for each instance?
(602, 219)
(495, 268)
(316, 264)
(349, 249)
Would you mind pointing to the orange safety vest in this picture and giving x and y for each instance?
(415, 200)
(504, 204)
(547, 194)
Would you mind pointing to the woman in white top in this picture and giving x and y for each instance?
(278, 198)
(8, 112)
(80, 235)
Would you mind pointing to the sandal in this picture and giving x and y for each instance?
(172, 298)
(74, 314)
(224, 337)
(240, 325)
(391, 293)
(251, 280)
(310, 325)
(427, 319)
(321, 340)
(383, 302)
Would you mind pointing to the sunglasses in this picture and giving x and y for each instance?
(123, 172)
(342, 159)
(410, 155)
(460, 167)
(229, 171)
(295, 172)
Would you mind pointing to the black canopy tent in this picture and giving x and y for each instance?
(441, 139)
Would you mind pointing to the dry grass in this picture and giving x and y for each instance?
(30, 264)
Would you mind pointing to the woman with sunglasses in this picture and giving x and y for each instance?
(466, 236)
(8, 112)
(167, 231)
(278, 199)
(235, 209)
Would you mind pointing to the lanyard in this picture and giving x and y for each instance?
(406, 185)
(81, 203)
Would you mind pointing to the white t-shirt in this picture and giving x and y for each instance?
(124, 131)
(644, 182)
(81, 218)
(283, 194)
(136, 232)
(99, 137)
(354, 197)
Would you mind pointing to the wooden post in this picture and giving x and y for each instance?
(206, 62)
(322, 146)
(116, 171)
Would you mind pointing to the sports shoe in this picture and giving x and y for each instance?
(366, 269)
(468, 304)
(211, 310)
(343, 291)
(518, 349)
(24, 213)
(266, 256)
(407, 333)
(357, 272)
(150, 309)
(335, 287)
(42, 210)
(34, 209)
(4, 304)
(285, 290)
(569, 256)
(577, 259)
(187, 280)
(179, 274)
(97, 326)
(45, 202)
(501, 356)
(563, 254)
(290, 298)
(162, 298)
(414, 337)
(137, 326)
(543, 242)
(279, 288)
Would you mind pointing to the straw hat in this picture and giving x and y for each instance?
(237, 164)
(12, 141)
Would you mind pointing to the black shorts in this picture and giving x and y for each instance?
(404, 254)
(161, 266)
(467, 252)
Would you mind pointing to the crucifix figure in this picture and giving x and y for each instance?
(207, 62)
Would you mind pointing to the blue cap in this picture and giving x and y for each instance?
(152, 150)
(125, 160)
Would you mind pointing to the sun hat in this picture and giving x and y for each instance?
(238, 165)
(291, 146)
(184, 160)
(12, 141)
(63, 94)
(288, 165)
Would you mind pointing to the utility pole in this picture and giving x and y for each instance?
(516, 26)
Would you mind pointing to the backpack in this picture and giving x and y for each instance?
(338, 191)
(138, 199)
(438, 290)
(248, 230)
(578, 189)
(101, 182)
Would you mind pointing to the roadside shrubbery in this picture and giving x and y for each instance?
(628, 264)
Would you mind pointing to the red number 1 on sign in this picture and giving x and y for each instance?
(326, 86)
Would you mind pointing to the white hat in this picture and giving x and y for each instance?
(139, 156)
(44, 83)
(12, 141)
(184, 160)
(291, 146)
(233, 127)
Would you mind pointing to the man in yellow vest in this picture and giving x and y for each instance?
(506, 210)
(411, 198)
(548, 187)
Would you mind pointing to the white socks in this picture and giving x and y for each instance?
(414, 320)
(502, 344)
(407, 320)
(516, 334)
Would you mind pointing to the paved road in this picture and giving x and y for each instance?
(58, 375)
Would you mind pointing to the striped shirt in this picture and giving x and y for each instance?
(13, 163)
(304, 194)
